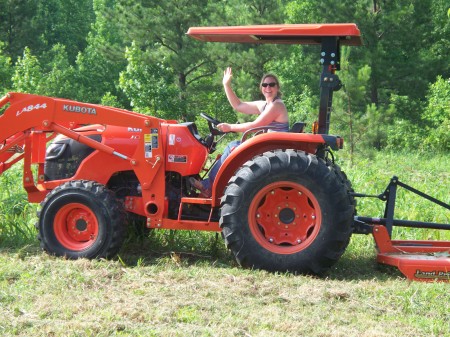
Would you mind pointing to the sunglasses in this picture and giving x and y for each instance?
(271, 84)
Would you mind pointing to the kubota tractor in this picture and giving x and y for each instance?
(279, 199)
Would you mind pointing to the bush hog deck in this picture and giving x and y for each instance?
(280, 200)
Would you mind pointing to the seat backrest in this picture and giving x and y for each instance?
(297, 127)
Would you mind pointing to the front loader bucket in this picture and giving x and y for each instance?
(427, 260)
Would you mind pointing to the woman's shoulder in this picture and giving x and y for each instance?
(279, 103)
(259, 104)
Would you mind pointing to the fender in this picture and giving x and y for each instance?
(259, 144)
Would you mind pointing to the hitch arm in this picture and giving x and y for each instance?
(389, 196)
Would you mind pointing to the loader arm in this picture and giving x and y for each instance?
(30, 121)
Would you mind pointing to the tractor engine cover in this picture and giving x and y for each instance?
(64, 156)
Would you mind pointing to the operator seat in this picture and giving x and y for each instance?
(297, 127)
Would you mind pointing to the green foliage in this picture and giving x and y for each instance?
(6, 70)
(17, 215)
(149, 86)
(437, 115)
(352, 112)
(55, 78)
(403, 131)
(211, 100)
(98, 66)
(302, 107)
(59, 74)
(16, 27)
(62, 22)
(27, 73)
(165, 45)
(109, 99)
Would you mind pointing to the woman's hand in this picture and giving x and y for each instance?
(227, 75)
(224, 127)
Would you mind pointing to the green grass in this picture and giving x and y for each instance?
(184, 296)
(426, 173)
(186, 284)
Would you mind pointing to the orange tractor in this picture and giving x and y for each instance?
(279, 199)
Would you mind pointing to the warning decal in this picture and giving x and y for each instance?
(148, 150)
(173, 158)
(155, 143)
(151, 141)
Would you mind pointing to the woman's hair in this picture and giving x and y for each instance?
(275, 77)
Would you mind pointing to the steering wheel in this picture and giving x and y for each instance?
(212, 123)
(210, 141)
(210, 119)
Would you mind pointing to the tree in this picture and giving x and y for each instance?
(437, 115)
(405, 45)
(27, 73)
(54, 78)
(41, 24)
(163, 38)
(99, 65)
(16, 29)
(62, 22)
(396, 36)
(59, 74)
(437, 54)
(149, 86)
(5, 71)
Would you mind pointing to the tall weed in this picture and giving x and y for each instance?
(17, 215)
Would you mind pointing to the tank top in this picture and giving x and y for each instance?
(277, 126)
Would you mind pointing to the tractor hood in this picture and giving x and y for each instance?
(347, 33)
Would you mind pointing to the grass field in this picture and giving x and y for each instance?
(186, 283)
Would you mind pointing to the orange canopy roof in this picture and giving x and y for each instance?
(348, 33)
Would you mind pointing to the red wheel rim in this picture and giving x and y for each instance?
(284, 217)
(76, 227)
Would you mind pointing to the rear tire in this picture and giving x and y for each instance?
(81, 219)
(287, 211)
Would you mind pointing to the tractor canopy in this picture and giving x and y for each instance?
(330, 37)
(347, 33)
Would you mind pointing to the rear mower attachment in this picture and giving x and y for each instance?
(427, 260)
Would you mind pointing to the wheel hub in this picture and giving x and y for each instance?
(81, 225)
(76, 226)
(285, 215)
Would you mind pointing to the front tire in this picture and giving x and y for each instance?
(81, 219)
(287, 211)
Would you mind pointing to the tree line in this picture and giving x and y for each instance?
(136, 55)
